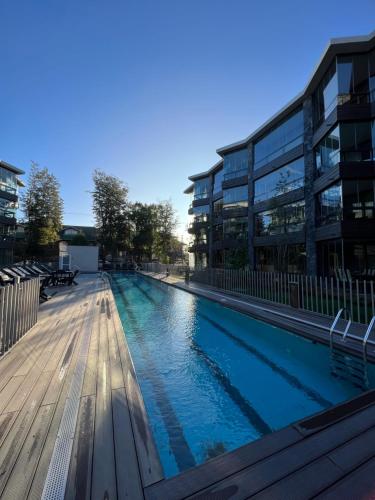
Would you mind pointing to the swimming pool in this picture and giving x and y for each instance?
(214, 379)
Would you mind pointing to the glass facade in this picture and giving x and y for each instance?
(349, 142)
(236, 197)
(371, 67)
(325, 96)
(282, 180)
(280, 220)
(329, 205)
(202, 188)
(8, 208)
(236, 228)
(236, 164)
(218, 208)
(281, 139)
(357, 256)
(8, 181)
(358, 199)
(353, 76)
(218, 179)
(281, 258)
(201, 213)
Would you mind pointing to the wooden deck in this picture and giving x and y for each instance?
(112, 454)
(72, 419)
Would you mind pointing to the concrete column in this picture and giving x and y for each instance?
(311, 254)
(250, 211)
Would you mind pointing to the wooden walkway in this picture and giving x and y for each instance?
(112, 451)
(77, 353)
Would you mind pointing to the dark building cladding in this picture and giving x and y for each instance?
(9, 183)
(298, 195)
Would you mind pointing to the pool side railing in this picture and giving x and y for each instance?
(323, 295)
(19, 305)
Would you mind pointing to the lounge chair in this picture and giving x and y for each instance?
(64, 278)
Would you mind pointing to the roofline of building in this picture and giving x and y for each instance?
(213, 169)
(10, 167)
(189, 189)
(336, 46)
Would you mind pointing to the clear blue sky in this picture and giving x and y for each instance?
(148, 89)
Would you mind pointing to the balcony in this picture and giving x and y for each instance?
(198, 223)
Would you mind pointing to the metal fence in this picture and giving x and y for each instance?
(19, 304)
(172, 269)
(324, 295)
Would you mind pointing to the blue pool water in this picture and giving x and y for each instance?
(213, 379)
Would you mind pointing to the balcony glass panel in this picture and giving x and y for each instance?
(347, 142)
(280, 220)
(8, 181)
(236, 164)
(329, 205)
(236, 228)
(324, 98)
(358, 199)
(281, 139)
(236, 197)
(201, 189)
(218, 207)
(282, 180)
(218, 180)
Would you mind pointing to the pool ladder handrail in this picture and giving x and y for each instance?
(334, 323)
(366, 338)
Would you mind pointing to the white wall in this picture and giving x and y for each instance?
(84, 258)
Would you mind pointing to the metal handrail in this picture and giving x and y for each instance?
(365, 338)
(335, 321)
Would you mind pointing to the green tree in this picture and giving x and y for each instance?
(112, 212)
(42, 206)
(166, 223)
(144, 218)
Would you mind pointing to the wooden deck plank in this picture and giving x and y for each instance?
(41, 471)
(15, 438)
(194, 480)
(305, 483)
(258, 477)
(23, 471)
(79, 477)
(129, 485)
(148, 457)
(103, 469)
(117, 377)
(9, 390)
(360, 484)
(89, 382)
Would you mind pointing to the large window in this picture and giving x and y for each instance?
(201, 188)
(236, 228)
(8, 181)
(284, 219)
(282, 180)
(218, 207)
(346, 142)
(218, 179)
(201, 213)
(236, 164)
(281, 139)
(325, 96)
(217, 232)
(283, 258)
(329, 205)
(353, 77)
(235, 197)
(358, 199)
(8, 208)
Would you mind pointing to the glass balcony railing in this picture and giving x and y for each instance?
(7, 213)
(7, 188)
(236, 173)
(201, 196)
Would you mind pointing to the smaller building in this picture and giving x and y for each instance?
(9, 184)
(71, 233)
